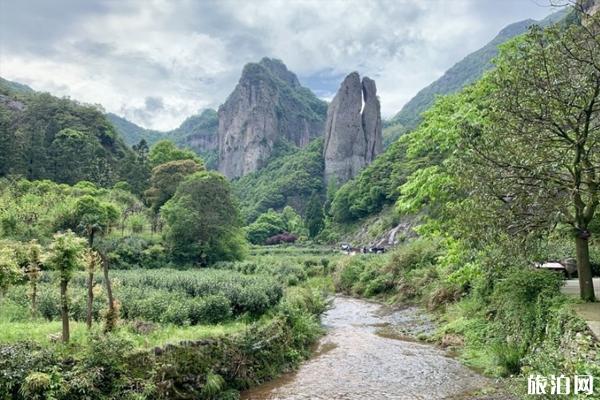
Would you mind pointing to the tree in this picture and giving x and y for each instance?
(92, 259)
(9, 269)
(33, 270)
(94, 216)
(65, 257)
(165, 151)
(203, 221)
(314, 216)
(538, 159)
(165, 179)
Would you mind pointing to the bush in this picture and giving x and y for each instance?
(165, 295)
(281, 238)
(135, 252)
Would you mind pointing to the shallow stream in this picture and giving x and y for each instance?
(354, 361)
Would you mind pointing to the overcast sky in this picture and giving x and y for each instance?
(157, 61)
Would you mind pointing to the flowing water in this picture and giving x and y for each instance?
(353, 361)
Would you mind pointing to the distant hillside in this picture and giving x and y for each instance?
(15, 86)
(132, 133)
(466, 71)
(46, 137)
(198, 132)
(289, 177)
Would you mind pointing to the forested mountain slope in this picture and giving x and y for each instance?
(46, 137)
(132, 133)
(466, 71)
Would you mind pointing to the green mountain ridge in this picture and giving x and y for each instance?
(461, 74)
(46, 137)
(197, 132)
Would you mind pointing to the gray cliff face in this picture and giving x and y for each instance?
(352, 132)
(267, 105)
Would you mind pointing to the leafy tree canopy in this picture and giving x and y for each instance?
(203, 222)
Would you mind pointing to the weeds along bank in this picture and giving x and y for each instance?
(503, 318)
(202, 333)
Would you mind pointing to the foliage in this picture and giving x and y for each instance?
(198, 132)
(165, 179)
(375, 186)
(203, 224)
(110, 366)
(45, 137)
(64, 254)
(315, 219)
(135, 252)
(541, 146)
(287, 179)
(272, 223)
(9, 269)
(166, 151)
(93, 216)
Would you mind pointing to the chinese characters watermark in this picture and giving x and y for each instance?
(560, 385)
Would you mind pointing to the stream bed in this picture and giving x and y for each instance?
(354, 361)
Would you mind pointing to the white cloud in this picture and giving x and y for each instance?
(188, 55)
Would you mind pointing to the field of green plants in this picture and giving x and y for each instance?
(220, 317)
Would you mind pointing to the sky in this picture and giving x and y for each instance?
(157, 62)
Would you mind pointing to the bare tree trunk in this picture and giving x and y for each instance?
(90, 299)
(584, 269)
(64, 310)
(34, 298)
(112, 316)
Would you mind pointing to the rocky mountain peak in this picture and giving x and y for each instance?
(268, 105)
(352, 129)
(279, 70)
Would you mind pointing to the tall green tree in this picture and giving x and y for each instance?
(538, 159)
(92, 259)
(94, 216)
(65, 257)
(165, 151)
(165, 179)
(9, 269)
(315, 219)
(203, 220)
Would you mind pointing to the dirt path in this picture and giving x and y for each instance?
(354, 362)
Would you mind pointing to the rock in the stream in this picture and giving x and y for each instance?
(353, 135)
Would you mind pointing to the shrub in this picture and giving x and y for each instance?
(281, 238)
(166, 296)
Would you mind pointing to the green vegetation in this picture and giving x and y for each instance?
(376, 186)
(500, 185)
(273, 332)
(198, 133)
(202, 221)
(289, 178)
(272, 223)
(166, 296)
(166, 151)
(166, 178)
(44, 137)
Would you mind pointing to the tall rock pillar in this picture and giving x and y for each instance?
(353, 135)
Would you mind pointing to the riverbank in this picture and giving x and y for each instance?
(354, 360)
(508, 323)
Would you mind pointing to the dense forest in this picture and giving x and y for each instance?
(130, 268)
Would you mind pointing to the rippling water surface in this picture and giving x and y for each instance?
(354, 362)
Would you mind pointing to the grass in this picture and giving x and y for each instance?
(39, 330)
